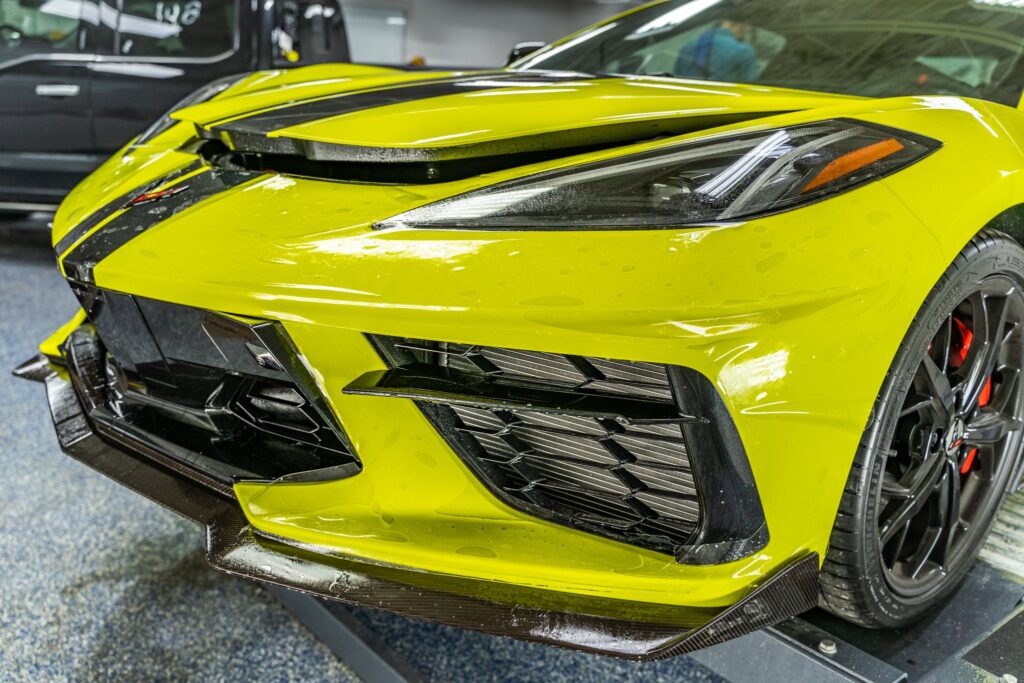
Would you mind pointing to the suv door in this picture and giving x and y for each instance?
(46, 142)
(160, 51)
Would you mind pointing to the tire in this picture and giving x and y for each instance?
(867, 579)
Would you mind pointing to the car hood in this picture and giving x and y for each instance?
(368, 115)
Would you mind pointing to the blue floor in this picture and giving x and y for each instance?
(99, 584)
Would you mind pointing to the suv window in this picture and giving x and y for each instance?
(32, 27)
(176, 28)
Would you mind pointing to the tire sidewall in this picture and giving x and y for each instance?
(998, 255)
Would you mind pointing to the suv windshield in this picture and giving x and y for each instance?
(876, 48)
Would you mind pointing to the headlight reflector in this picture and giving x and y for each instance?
(726, 178)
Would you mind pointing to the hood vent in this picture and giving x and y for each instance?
(413, 129)
(419, 166)
(407, 173)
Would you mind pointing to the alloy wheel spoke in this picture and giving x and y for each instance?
(989, 331)
(891, 488)
(922, 557)
(964, 405)
(947, 344)
(916, 404)
(949, 511)
(938, 387)
(989, 427)
(1007, 394)
(896, 548)
(927, 443)
(921, 484)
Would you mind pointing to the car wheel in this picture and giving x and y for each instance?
(943, 440)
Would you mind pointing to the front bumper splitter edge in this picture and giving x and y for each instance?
(626, 630)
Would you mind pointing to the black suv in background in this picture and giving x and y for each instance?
(80, 78)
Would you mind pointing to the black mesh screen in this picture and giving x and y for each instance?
(626, 478)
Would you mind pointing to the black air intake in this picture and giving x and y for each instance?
(227, 397)
(596, 444)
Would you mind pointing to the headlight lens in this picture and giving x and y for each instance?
(207, 92)
(710, 181)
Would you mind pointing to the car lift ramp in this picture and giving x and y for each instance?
(977, 636)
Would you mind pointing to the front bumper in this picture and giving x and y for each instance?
(625, 629)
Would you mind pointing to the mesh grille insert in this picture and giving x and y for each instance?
(221, 395)
(627, 479)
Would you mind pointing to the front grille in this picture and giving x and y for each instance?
(619, 475)
(225, 396)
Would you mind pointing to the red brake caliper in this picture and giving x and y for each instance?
(957, 359)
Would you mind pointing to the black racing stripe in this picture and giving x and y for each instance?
(345, 103)
(80, 263)
(105, 212)
(360, 100)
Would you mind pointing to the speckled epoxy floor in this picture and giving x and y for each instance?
(444, 653)
(97, 583)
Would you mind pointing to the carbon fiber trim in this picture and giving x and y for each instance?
(627, 630)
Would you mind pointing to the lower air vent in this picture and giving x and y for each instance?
(280, 410)
(593, 443)
(224, 396)
(641, 453)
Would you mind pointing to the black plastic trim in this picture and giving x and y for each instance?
(490, 155)
(377, 165)
(435, 384)
(733, 524)
(167, 353)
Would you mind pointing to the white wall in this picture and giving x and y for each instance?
(481, 32)
(376, 33)
(586, 13)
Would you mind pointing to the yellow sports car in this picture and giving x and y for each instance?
(673, 329)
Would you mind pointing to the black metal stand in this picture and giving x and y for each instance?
(796, 651)
(350, 641)
(978, 636)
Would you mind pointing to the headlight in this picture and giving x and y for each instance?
(698, 183)
(207, 92)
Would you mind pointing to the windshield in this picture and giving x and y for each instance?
(875, 48)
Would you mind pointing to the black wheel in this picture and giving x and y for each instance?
(942, 443)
